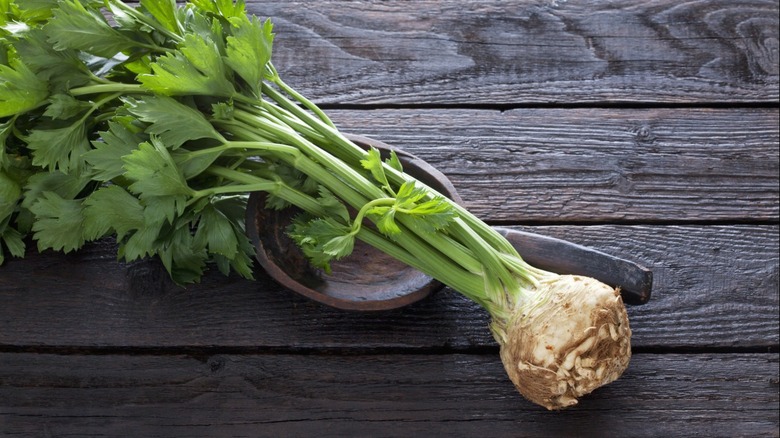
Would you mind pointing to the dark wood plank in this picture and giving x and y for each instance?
(506, 52)
(375, 395)
(591, 165)
(715, 287)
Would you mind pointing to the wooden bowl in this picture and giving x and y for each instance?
(368, 279)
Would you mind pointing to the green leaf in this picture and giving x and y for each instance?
(194, 163)
(199, 23)
(154, 172)
(249, 49)
(13, 241)
(67, 186)
(216, 232)
(373, 162)
(314, 235)
(183, 257)
(222, 110)
(110, 209)
(163, 209)
(57, 223)
(64, 106)
(164, 11)
(106, 157)
(196, 68)
(233, 207)
(332, 205)
(142, 65)
(60, 148)
(385, 220)
(243, 261)
(225, 8)
(5, 131)
(141, 243)
(20, 89)
(339, 246)
(394, 162)
(10, 193)
(75, 27)
(435, 214)
(62, 69)
(172, 122)
(431, 214)
(35, 11)
(7, 9)
(125, 19)
(408, 194)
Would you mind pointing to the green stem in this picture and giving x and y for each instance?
(299, 97)
(280, 189)
(113, 87)
(263, 146)
(349, 152)
(357, 191)
(431, 260)
(338, 167)
(281, 114)
(357, 223)
(488, 241)
(440, 268)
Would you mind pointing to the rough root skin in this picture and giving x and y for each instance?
(573, 342)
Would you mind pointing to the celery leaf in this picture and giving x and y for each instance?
(172, 122)
(394, 162)
(249, 50)
(332, 205)
(59, 148)
(61, 68)
(216, 232)
(10, 193)
(106, 157)
(74, 27)
(321, 241)
(164, 11)
(225, 8)
(183, 256)
(67, 186)
(385, 220)
(196, 68)
(373, 163)
(64, 106)
(13, 241)
(141, 243)
(58, 223)
(154, 172)
(110, 209)
(20, 89)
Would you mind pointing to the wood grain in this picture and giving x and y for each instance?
(373, 395)
(594, 165)
(512, 53)
(715, 287)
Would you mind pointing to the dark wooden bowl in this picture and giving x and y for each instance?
(368, 279)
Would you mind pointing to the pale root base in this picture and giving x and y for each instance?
(575, 341)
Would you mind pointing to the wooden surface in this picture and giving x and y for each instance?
(645, 129)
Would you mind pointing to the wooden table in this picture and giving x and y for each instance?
(645, 129)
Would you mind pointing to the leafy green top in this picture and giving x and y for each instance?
(154, 125)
